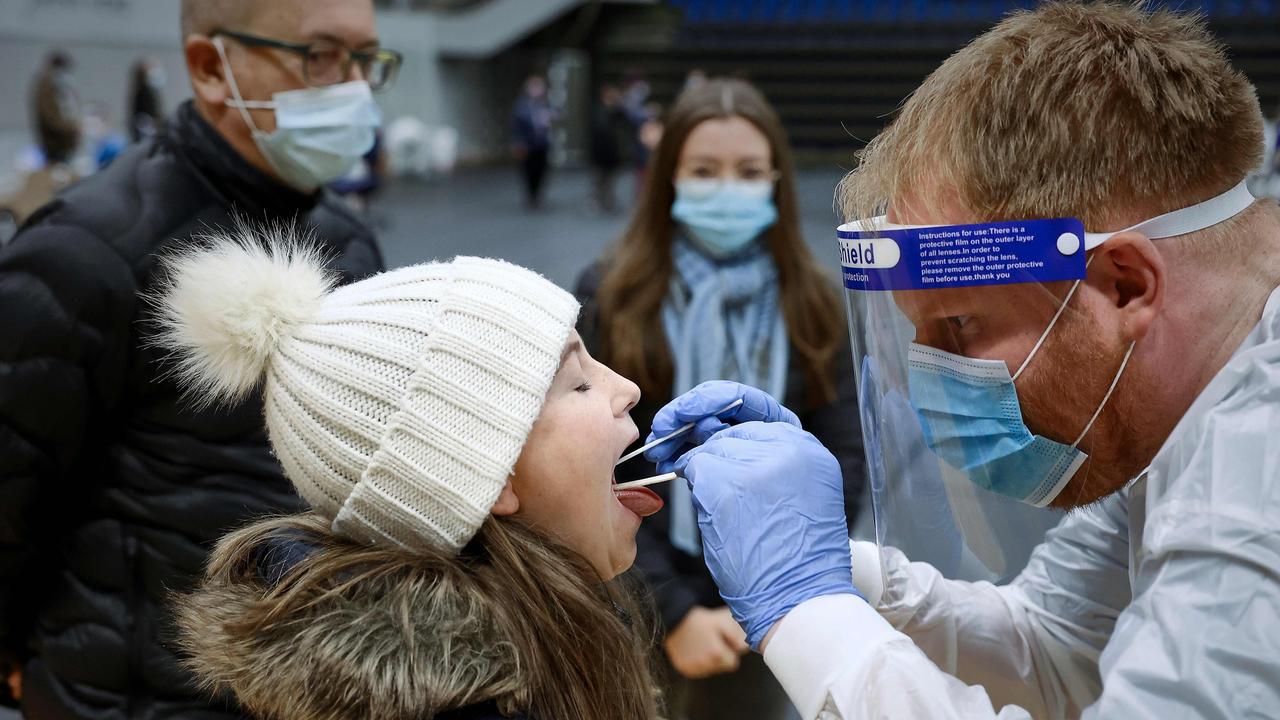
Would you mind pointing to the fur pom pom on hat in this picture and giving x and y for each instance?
(229, 307)
(397, 405)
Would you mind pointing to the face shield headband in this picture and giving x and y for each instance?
(1194, 218)
(968, 407)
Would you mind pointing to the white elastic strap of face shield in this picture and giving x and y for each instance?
(239, 102)
(1179, 222)
(1190, 219)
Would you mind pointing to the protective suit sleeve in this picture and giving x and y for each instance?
(1211, 652)
(1034, 643)
(838, 660)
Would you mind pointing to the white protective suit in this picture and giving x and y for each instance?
(1161, 601)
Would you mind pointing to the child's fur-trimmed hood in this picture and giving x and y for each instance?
(296, 632)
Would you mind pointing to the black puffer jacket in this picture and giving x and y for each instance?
(112, 489)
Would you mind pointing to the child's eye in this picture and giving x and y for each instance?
(583, 387)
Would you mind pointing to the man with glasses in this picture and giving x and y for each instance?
(112, 487)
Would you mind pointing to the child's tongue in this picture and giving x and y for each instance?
(642, 501)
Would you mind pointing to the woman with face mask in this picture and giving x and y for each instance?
(712, 280)
(456, 444)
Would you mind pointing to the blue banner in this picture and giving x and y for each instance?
(950, 256)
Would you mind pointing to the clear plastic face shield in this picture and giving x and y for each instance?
(964, 337)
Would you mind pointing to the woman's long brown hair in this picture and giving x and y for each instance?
(638, 272)
(516, 619)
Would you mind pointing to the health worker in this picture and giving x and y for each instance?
(1071, 303)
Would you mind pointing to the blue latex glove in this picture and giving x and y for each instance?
(770, 502)
(699, 405)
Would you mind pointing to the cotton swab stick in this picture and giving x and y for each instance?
(665, 477)
(677, 433)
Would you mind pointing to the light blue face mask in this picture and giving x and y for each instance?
(321, 133)
(969, 411)
(722, 218)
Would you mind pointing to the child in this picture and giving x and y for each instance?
(456, 444)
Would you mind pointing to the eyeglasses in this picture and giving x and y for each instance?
(329, 63)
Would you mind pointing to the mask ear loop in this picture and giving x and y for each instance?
(1045, 335)
(1179, 222)
(1114, 381)
(240, 103)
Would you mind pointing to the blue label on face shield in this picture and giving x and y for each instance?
(950, 256)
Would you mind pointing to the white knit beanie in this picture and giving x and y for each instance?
(397, 405)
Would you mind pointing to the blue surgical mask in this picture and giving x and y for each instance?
(722, 218)
(972, 420)
(321, 133)
(969, 411)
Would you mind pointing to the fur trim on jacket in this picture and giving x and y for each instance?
(300, 633)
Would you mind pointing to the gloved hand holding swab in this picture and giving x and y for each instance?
(710, 407)
(665, 477)
(675, 434)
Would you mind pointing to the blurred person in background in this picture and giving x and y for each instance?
(112, 487)
(146, 103)
(57, 110)
(713, 280)
(635, 96)
(648, 135)
(531, 136)
(38, 187)
(104, 141)
(59, 123)
(635, 99)
(610, 140)
(694, 78)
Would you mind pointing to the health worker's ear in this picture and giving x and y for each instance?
(204, 66)
(507, 502)
(1129, 271)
